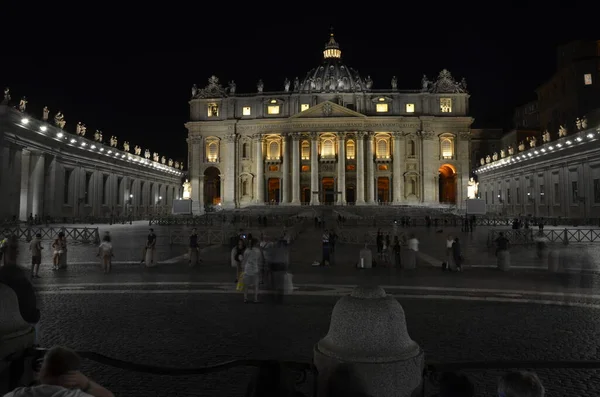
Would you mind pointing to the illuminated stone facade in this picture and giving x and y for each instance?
(330, 138)
(47, 171)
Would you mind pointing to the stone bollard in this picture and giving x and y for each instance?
(504, 260)
(553, 261)
(368, 335)
(16, 336)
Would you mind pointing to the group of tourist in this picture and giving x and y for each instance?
(454, 255)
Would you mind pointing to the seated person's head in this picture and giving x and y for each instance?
(455, 385)
(58, 361)
(520, 384)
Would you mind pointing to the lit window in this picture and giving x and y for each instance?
(382, 149)
(212, 152)
(327, 149)
(246, 111)
(273, 151)
(350, 150)
(304, 107)
(305, 150)
(305, 168)
(273, 101)
(410, 108)
(446, 146)
(273, 109)
(587, 79)
(382, 107)
(213, 110)
(381, 99)
(446, 105)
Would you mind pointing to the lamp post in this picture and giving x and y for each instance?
(130, 214)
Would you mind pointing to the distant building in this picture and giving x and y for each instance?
(331, 137)
(47, 171)
(527, 116)
(484, 141)
(574, 90)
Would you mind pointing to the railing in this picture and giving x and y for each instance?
(528, 236)
(431, 372)
(239, 220)
(81, 234)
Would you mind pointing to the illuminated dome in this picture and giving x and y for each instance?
(332, 75)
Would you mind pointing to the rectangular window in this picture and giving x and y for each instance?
(508, 195)
(88, 187)
(596, 191)
(486, 200)
(118, 195)
(492, 197)
(246, 111)
(382, 107)
(66, 189)
(518, 196)
(273, 109)
(104, 189)
(556, 194)
(410, 108)
(304, 107)
(542, 195)
(574, 192)
(587, 79)
(446, 105)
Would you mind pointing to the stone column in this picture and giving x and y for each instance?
(397, 167)
(37, 186)
(24, 197)
(260, 170)
(285, 170)
(341, 164)
(296, 168)
(429, 160)
(314, 168)
(228, 198)
(360, 168)
(370, 170)
(196, 176)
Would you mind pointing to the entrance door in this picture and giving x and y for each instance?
(383, 189)
(447, 184)
(350, 194)
(306, 195)
(328, 190)
(273, 184)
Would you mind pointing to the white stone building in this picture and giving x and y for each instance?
(558, 176)
(47, 171)
(330, 138)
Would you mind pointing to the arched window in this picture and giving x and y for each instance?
(212, 152)
(274, 150)
(305, 150)
(411, 148)
(350, 150)
(447, 148)
(245, 153)
(382, 149)
(327, 150)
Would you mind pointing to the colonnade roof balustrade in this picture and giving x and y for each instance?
(563, 143)
(48, 131)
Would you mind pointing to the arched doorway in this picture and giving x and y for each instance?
(328, 190)
(212, 186)
(383, 189)
(273, 184)
(447, 184)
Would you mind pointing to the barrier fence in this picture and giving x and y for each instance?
(85, 235)
(430, 375)
(529, 236)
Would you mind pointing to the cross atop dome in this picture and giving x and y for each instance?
(332, 48)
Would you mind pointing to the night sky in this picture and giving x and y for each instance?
(136, 86)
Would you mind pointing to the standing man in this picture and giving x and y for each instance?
(150, 245)
(193, 248)
(36, 255)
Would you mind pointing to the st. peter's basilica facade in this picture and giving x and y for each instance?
(330, 138)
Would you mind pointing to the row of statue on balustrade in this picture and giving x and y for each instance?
(81, 129)
(580, 123)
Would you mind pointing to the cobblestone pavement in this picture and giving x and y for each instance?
(191, 328)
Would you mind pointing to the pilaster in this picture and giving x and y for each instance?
(370, 169)
(285, 170)
(341, 168)
(25, 176)
(398, 165)
(296, 168)
(360, 168)
(314, 169)
(260, 170)
(228, 197)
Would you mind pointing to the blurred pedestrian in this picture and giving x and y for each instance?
(36, 255)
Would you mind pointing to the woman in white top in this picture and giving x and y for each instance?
(105, 252)
(252, 264)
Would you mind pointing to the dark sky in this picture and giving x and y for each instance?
(135, 82)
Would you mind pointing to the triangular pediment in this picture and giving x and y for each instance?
(327, 109)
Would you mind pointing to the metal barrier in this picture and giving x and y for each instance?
(81, 234)
(431, 371)
(528, 236)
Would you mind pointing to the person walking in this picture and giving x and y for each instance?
(193, 249)
(252, 263)
(35, 247)
(105, 252)
(237, 255)
(457, 256)
(150, 245)
(411, 252)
